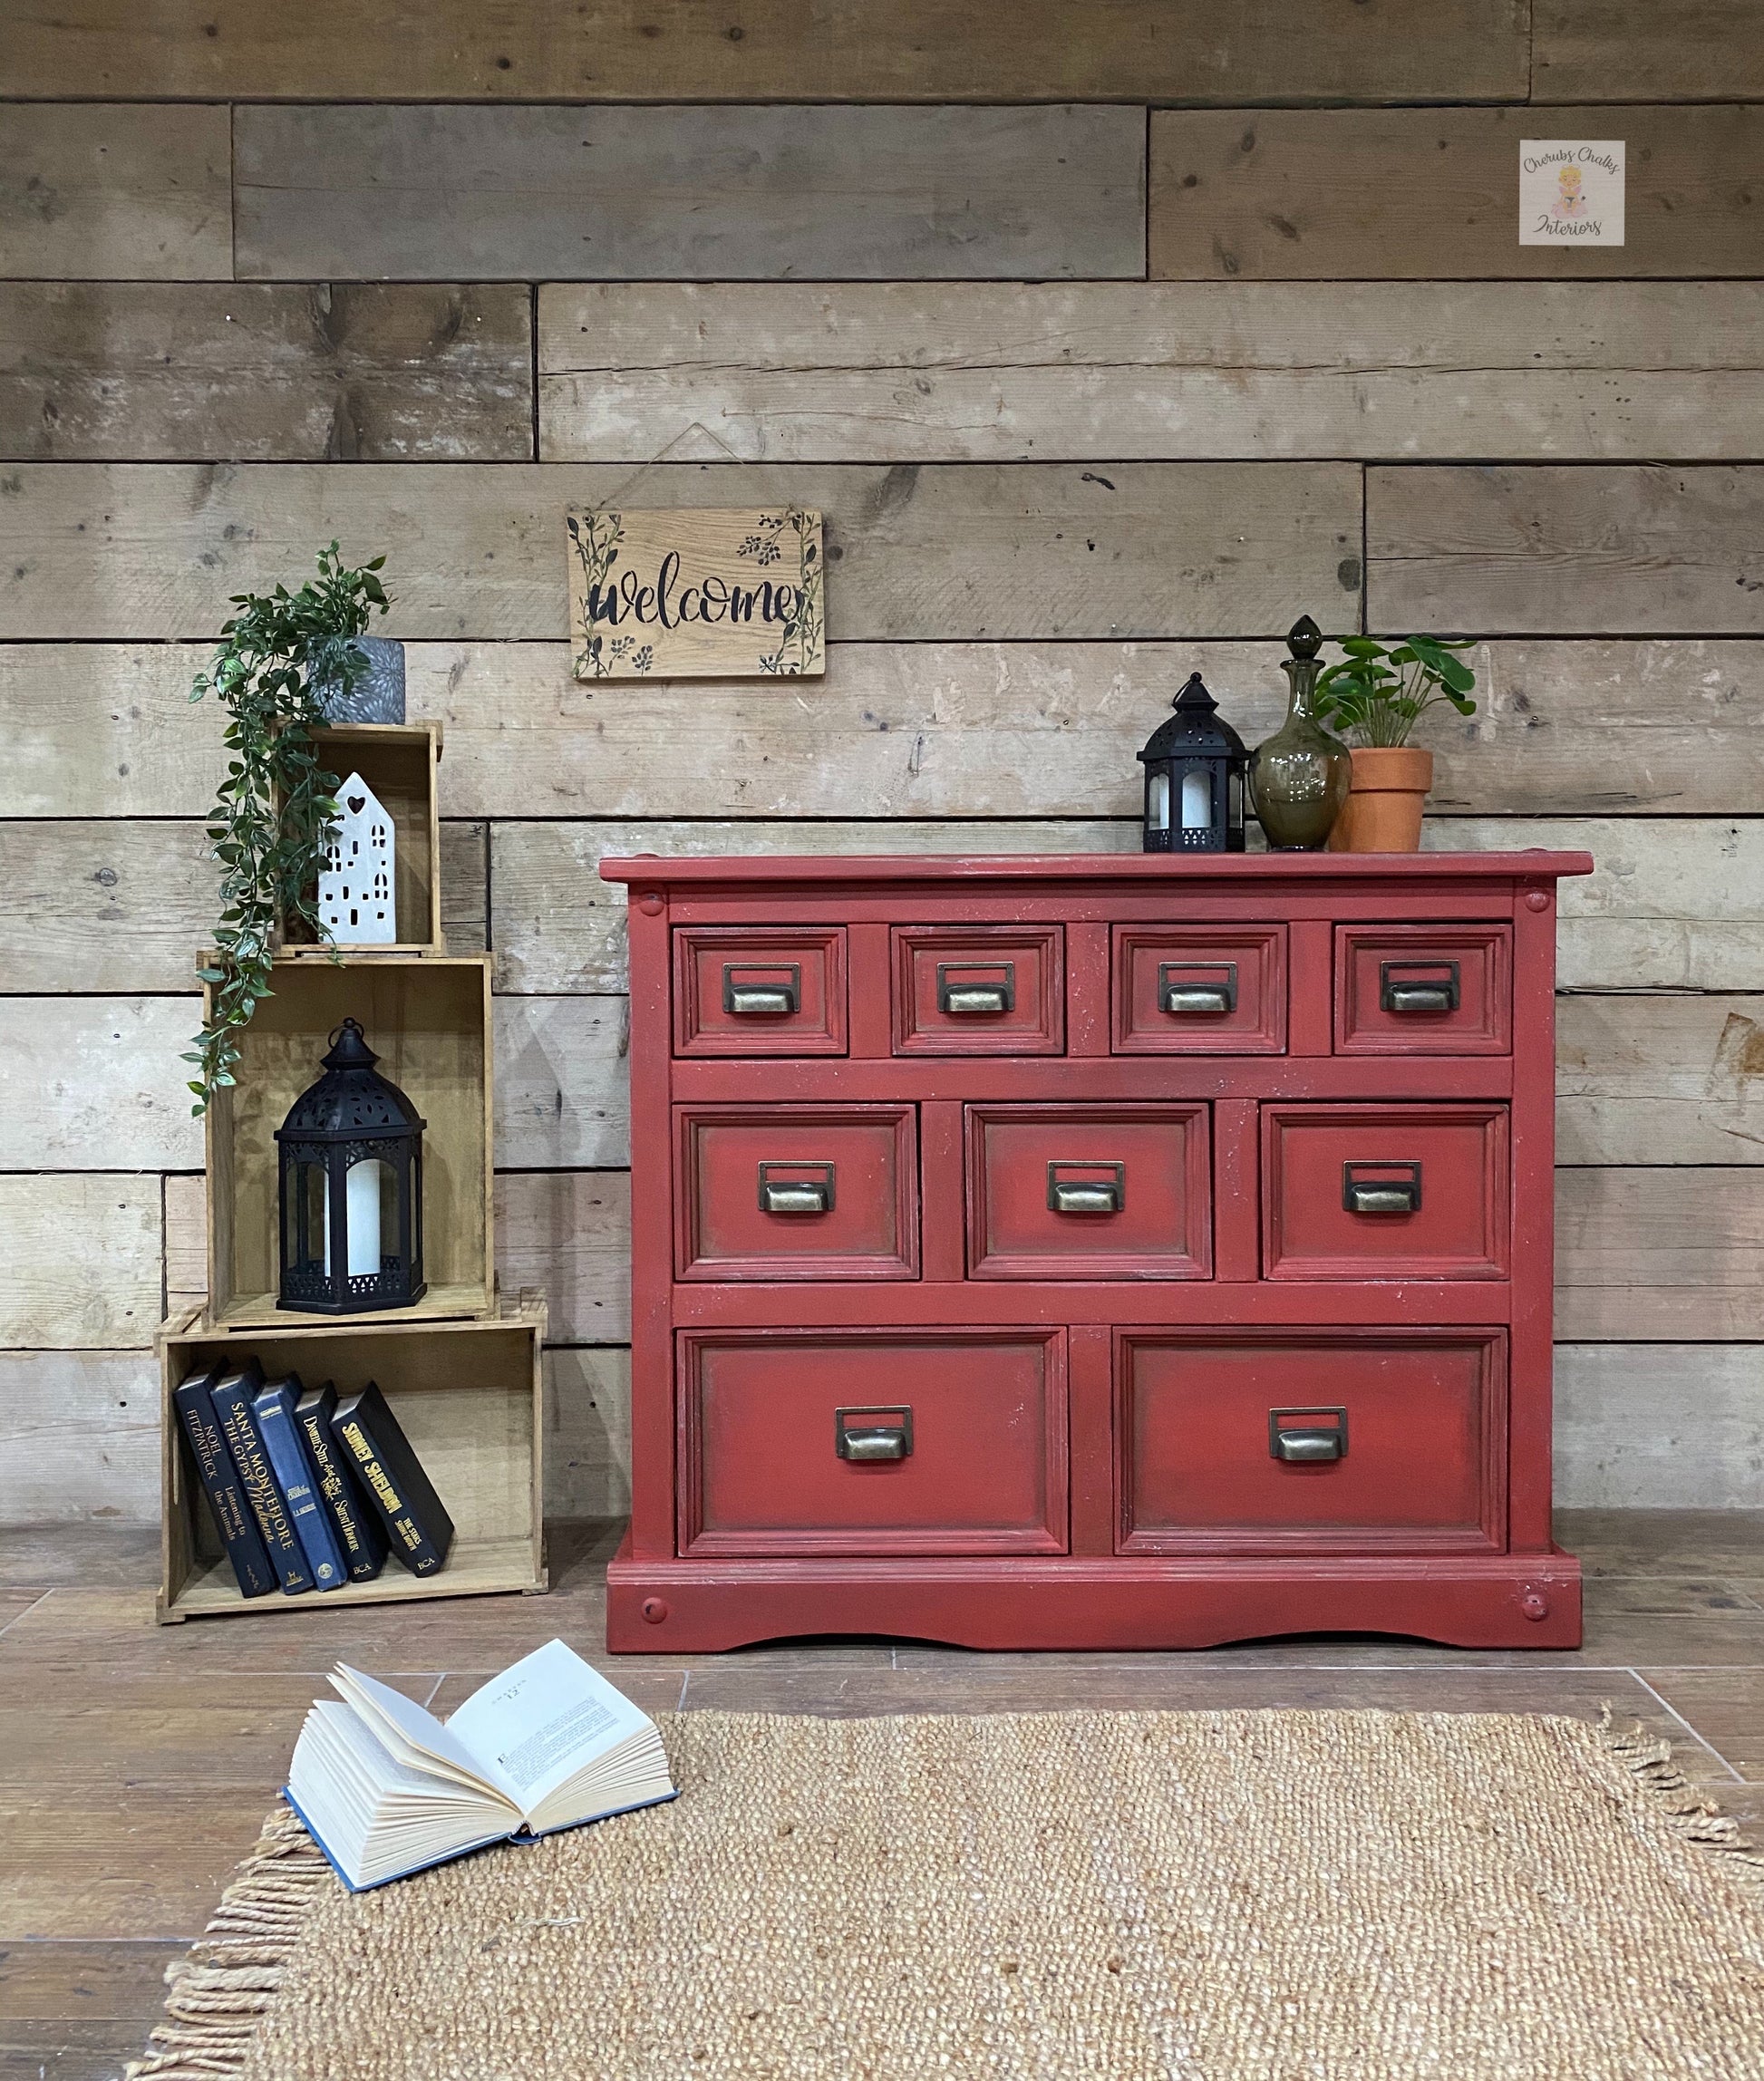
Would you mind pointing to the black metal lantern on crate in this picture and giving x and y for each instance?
(1194, 766)
(351, 1189)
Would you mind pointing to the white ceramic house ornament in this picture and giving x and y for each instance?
(355, 884)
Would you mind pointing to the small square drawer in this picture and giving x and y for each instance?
(1423, 990)
(979, 990)
(1089, 1191)
(740, 990)
(1200, 990)
(873, 1441)
(1384, 1192)
(1312, 1441)
(796, 1192)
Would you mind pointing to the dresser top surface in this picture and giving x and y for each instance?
(1191, 868)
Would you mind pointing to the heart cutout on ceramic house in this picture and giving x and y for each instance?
(354, 804)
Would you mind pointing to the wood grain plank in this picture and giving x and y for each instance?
(568, 1233)
(919, 730)
(753, 194)
(83, 1255)
(1659, 1255)
(932, 50)
(79, 1437)
(1670, 904)
(95, 1083)
(562, 1099)
(186, 1206)
(1427, 195)
(587, 1433)
(1608, 50)
(1667, 1426)
(83, 1982)
(986, 371)
(257, 372)
(105, 906)
(95, 192)
(1654, 1079)
(154, 550)
(1618, 549)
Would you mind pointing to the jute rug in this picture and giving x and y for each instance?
(1231, 1896)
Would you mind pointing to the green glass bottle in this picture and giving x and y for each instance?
(1298, 779)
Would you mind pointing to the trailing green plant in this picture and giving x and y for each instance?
(277, 658)
(1375, 695)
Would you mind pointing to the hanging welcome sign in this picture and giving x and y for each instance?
(696, 593)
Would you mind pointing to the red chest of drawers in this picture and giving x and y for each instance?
(1091, 1252)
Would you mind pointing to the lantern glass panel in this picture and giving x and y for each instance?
(307, 1221)
(1157, 802)
(370, 1213)
(1197, 799)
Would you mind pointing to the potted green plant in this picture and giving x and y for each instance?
(1374, 695)
(281, 663)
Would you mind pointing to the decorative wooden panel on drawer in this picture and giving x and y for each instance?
(1290, 1440)
(1089, 1191)
(1384, 1192)
(979, 990)
(1423, 990)
(1200, 990)
(796, 1192)
(873, 1442)
(738, 990)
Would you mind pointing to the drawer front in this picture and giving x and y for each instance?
(1423, 990)
(873, 1442)
(979, 990)
(742, 990)
(1293, 1440)
(1200, 990)
(1384, 1192)
(1089, 1191)
(796, 1192)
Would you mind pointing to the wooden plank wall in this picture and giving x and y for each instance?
(1108, 340)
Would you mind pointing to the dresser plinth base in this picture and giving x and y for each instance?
(670, 1607)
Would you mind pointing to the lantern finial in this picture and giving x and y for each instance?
(349, 1048)
(1195, 698)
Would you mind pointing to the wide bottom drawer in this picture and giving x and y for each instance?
(1293, 1440)
(872, 1441)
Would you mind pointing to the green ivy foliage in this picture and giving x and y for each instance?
(1375, 695)
(277, 658)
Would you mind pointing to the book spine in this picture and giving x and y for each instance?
(294, 1478)
(232, 1410)
(410, 1542)
(360, 1536)
(233, 1515)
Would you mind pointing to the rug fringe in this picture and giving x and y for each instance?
(1689, 1810)
(220, 1989)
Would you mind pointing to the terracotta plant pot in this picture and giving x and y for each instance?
(1383, 809)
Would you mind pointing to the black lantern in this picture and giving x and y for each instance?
(1194, 779)
(352, 1189)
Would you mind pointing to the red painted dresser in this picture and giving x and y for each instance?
(1093, 1251)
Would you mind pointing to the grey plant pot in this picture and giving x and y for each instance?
(378, 693)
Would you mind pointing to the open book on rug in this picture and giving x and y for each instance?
(385, 1788)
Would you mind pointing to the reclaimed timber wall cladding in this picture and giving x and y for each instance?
(1106, 340)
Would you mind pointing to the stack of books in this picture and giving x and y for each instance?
(308, 1492)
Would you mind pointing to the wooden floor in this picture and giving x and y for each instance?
(136, 1761)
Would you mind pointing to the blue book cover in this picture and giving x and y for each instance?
(232, 1397)
(292, 1465)
(233, 1515)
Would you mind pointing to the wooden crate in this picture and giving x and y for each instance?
(428, 1017)
(398, 760)
(467, 1394)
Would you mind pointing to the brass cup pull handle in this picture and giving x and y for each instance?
(797, 1195)
(1073, 1188)
(873, 1441)
(991, 988)
(1183, 992)
(1422, 986)
(772, 989)
(1308, 1444)
(1383, 1191)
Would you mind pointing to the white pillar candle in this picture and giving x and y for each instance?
(361, 1194)
(1197, 800)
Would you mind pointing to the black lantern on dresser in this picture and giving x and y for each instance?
(1193, 767)
(351, 1189)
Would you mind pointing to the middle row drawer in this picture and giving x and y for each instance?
(1103, 1191)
